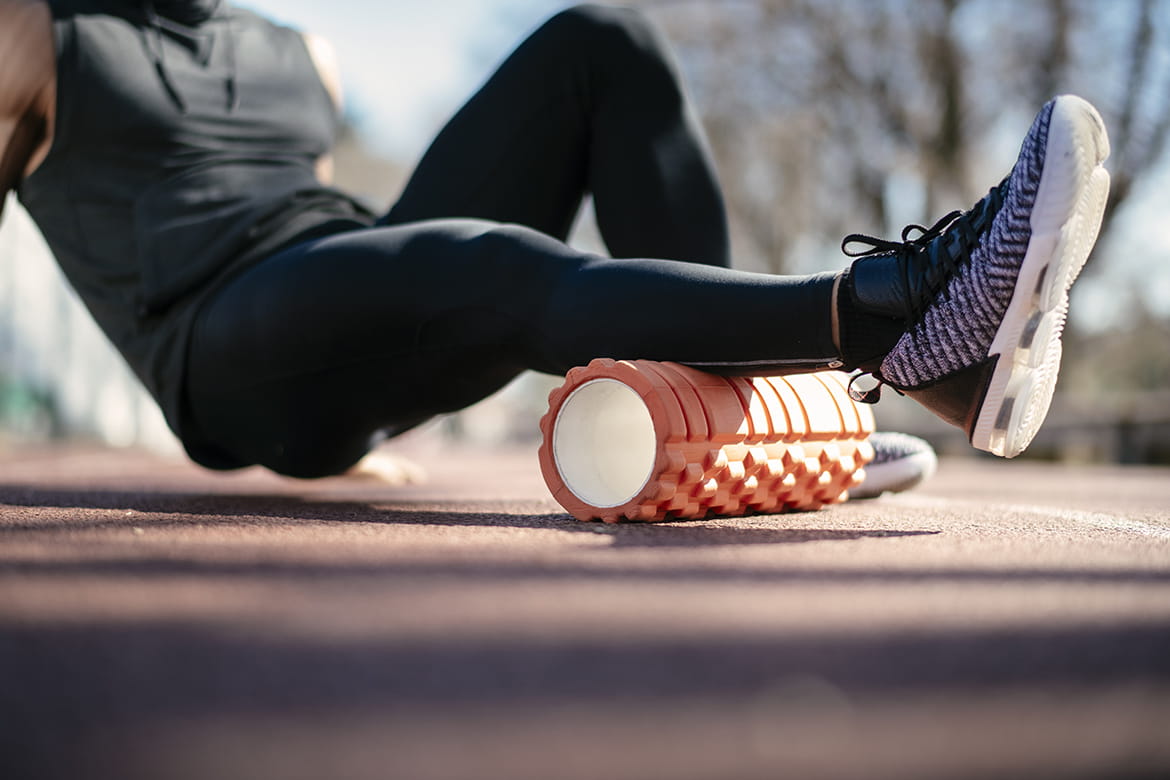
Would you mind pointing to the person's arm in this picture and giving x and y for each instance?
(325, 59)
(26, 79)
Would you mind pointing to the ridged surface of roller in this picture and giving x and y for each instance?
(726, 445)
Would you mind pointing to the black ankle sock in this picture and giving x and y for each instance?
(865, 338)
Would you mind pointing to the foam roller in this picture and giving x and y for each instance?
(643, 440)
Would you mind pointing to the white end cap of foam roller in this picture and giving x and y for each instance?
(604, 444)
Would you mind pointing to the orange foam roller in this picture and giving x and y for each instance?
(643, 440)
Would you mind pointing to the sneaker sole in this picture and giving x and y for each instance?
(1065, 221)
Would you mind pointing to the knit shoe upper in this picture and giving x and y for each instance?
(985, 293)
(900, 462)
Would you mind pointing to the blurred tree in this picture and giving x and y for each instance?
(1132, 358)
(831, 116)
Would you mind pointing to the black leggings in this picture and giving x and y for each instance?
(302, 360)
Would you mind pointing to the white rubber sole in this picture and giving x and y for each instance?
(1065, 220)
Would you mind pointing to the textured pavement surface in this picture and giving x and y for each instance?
(159, 621)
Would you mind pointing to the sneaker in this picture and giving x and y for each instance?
(982, 296)
(900, 462)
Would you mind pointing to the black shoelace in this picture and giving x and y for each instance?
(927, 259)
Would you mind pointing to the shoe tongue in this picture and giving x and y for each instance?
(869, 329)
(877, 286)
(880, 283)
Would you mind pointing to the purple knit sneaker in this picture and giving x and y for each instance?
(984, 294)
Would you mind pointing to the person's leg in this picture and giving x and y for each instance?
(590, 103)
(300, 360)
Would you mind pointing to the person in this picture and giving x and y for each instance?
(174, 153)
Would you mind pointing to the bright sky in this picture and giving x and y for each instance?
(407, 64)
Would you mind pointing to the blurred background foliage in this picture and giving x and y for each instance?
(834, 116)
(825, 117)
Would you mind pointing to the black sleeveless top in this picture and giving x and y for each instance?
(182, 154)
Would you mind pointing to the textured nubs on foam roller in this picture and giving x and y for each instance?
(641, 440)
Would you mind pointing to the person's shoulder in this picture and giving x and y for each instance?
(27, 69)
(17, 6)
(17, 15)
(26, 52)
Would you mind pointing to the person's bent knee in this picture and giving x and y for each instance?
(598, 17)
(618, 31)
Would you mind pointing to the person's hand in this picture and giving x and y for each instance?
(388, 468)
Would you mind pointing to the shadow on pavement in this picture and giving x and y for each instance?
(220, 509)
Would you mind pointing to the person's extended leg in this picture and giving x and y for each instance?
(590, 103)
(301, 359)
(297, 361)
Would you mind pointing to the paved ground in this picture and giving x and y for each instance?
(161, 622)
